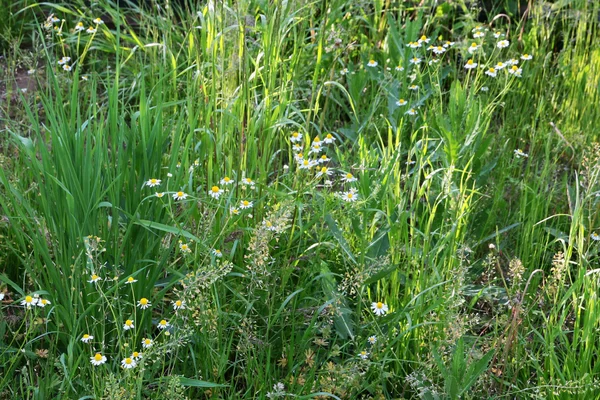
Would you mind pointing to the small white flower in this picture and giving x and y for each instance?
(226, 181)
(498, 34)
(413, 87)
(159, 194)
(215, 192)
(484, 89)
(128, 325)
(29, 301)
(372, 339)
(128, 363)
(470, 64)
(502, 44)
(67, 67)
(268, 225)
(98, 359)
(478, 35)
(87, 338)
(415, 61)
(185, 248)
(147, 343)
(179, 196)
(412, 111)
(79, 27)
(234, 210)
(95, 278)
(323, 159)
(43, 303)
(91, 30)
(516, 71)
(526, 57)
(348, 177)
(217, 253)
(439, 50)
(31, 72)
(178, 305)
(143, 303)
(344, 71)
(153, 182)
(595, 236)
(423, 39)
(296, 137)
(329, 139)
(163, 324)
(245, 204)
(379, 308)
(473, 48)
(98, 21)
(363, 354)
(169, 175)
(372, 63)
(491, 72)
(64, 60)
(401, 102)
(349, 196)
(136, 355)
(519, 153)
(399, 68)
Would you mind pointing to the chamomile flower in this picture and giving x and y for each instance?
(595, 236)
(147, 343)
(268, 225)
(67, 67)
(136, 355)
(178, 305)
(185, 248)
(248, 182)
(324, 171)
(306, 164)
(423, 39)
(438, 50)
(344, 71)
(217, 253)
(401, 102)
(500, 65)
(399, 68)
(163, 324)
(323, 159)
(349, 196)
(491, 72)
(159, 194)
(315, 149)
(372, 63)
(245, 204)
(64, 60)
(512, 61)
(180, 195)
(43, 303)
(516, 71)
(415, 61)
(143, 303)
(478, 34)
(502, 44)
(98, 359)
(296, 137)
(98, 21)
(413, 87)
(414, 45)
(128, 363)
(519, 153)
(29, 301)
(379, 308)
(470, 64)
(153, 182)
(348, 177)
(448, 43)
(95, 278)
(473, 48)
(234, 210)
(364, 354)
(372, 339)
(86, 338)
(169, 175)
(79, 27)
(526, 57)
(215, 192)
(498, 34)
(477, 28)
(329, 139)
(130, 280)
(412, 111)
(91, 30)
(128, 325)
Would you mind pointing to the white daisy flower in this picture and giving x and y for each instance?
(143, 303)
(502, 44)
(372, 63)
(415, 61)
(412, 111)
(470, 64)
(329, 139)
(178, 305)
(348, 177)
(128, 325)
(491, 72)
(153, 182)
(64, 60)
(519, 153)
(180, 196)
(399, 68)
(43, 303)
(323, 159)
(379, 308)
(526, 57)
(479, 34)
(87, 338)
(349, 196)
(423, 39)
(95, 278)
(29, 301)
(79, 27)
(91, 30)
(98, 21)
(473, 48)
(234, 210)
(98, 359)
(128, 363)
(185, 248)
(147, 343)
(401, 102)
(136, 355)
(296, 137)
(215, 192)
(516, 71)
(217, 253)
(413, 87)
(372, 339)
(163, 324)
(595, 236)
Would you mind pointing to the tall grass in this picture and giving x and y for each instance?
(474, 223)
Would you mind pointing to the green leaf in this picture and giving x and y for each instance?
(189, 382)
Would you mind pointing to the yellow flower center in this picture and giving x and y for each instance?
(473, 44)
(86, 336)
(350, 195)
(144, 301)
(98, 357)
(423, 37)
(245, 202)
(492, 70)
(514, 68)
(295, 134)
(470, 62)
(128, 361)
(268, 224)
(179, 194)
(324, 169)
(178, 303)
(379, 305)
(130, 279)
(226, 179)
(163, 322)
(28, 299)
(128, 322)
(153, 181)
(136, 354)
(305, 162)
(94, 277)
(215, 189)
(329, 136)
(348, 176)
(371, 62)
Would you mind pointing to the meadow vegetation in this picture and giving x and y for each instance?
(304, 199)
